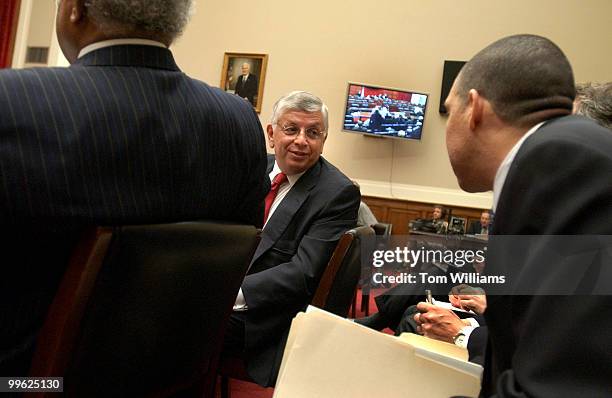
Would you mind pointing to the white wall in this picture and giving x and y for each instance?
(36, 28)
(21, 36)
(320, 45)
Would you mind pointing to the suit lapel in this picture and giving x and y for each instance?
(286, 210)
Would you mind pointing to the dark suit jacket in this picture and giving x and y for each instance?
(296, 245)
(120, 137)
(474, 228)
(247, 89)
(560, 183)
(477, 344)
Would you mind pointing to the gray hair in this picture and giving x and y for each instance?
(301, 101)
(162, 19)
(595, 102)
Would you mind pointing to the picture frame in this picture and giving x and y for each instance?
(457, 224)
(232, 76)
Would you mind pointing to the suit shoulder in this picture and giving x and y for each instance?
(576, 131)
(335, 180)
(227, 108)
(572, 137)
(227, 99)
(34, 85)
(33, 75)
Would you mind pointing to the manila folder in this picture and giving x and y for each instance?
(328, 356)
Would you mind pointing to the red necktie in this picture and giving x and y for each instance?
(276, 183)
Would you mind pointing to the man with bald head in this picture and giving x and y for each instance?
(122, 136)
(246, 86)
(510, 130)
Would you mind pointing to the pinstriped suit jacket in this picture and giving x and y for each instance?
(122, 136)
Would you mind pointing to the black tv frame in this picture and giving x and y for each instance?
(381, 135)
(451, 70)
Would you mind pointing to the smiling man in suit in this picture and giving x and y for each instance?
(509, 129)
(311, 204)
(246, 85)
(122, 136)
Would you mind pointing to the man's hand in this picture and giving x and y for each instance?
(438, 323)
(468, 298)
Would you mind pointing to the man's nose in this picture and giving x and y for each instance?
(300, 138)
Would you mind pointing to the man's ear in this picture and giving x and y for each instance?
(475, 105)
(323, 143)
(77, 10)
(270, 133)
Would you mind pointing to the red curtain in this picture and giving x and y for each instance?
(9, 11)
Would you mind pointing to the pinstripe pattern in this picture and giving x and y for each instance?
(123, 136)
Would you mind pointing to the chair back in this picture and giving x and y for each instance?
(382, 229)
(339, 281)
(142, 310)
(383, 233)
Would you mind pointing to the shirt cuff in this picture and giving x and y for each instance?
(240, 304)
(473, 322)
(467, 331)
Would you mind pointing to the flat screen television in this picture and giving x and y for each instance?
(384, 112)
(451, 70)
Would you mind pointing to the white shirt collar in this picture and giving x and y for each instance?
(504, 167)
(118, 42)
(292, 179)
(283, 189)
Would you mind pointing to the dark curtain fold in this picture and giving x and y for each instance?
(9, 12)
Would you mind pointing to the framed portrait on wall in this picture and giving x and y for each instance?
(244, 74)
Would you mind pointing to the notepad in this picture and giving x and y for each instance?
(460, 312)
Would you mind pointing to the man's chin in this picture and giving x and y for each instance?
(297, 167)
(472, 186)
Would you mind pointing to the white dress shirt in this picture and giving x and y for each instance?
(467, 331)
(283, 190)
(118, 42)
(502, 171)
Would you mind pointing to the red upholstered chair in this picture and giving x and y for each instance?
(142, 310)
(334, 294)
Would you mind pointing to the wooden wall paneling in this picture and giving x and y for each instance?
(400, 219)
(401, 212)
(380, 212)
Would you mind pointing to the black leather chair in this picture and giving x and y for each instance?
(382, 230)
(339, 281)
(142, 310)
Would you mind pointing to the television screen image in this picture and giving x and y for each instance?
(384, 112)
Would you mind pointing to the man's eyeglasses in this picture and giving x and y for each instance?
(312, 133)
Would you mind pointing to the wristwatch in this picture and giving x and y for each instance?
(459, 339)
